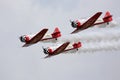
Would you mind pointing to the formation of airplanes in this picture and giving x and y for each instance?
(41, 36)
(79, 25)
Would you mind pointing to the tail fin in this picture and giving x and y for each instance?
(107, 17)
(56, 30)
(56, 33)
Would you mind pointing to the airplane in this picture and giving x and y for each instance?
(41, 36)
(55, 50)
(94, 20)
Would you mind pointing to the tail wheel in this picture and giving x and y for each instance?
(77, 49)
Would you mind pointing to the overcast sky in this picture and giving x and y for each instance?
(18, 17)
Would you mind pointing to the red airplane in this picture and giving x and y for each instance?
(41, 36)
(84, 24)
(55, 50)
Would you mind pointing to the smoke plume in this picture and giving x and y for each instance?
(96, 39)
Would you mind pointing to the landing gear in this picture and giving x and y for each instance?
(77, 49)
(55, 38)
(107, 23)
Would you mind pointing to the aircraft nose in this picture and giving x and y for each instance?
(45, 50)
(73, 24)
(20, 38)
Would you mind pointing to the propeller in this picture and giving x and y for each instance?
(45, 50)
(73, 24)
(71, 21)
(21, 38)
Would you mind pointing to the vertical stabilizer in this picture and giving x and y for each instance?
(107, 17)
(56, 33)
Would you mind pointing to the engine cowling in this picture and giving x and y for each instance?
(50, 50)
(24, 38)
(75, 24)
(47, 51)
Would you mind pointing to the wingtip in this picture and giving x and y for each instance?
(26, 45)
(74, 32)
(67, 42)
(99, 12)
(45, 29)
(47, 57)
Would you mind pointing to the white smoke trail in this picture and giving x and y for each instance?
(96, 39)
(93, 35)
(100, 46)
(109, 32)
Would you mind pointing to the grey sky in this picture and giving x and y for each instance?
(19, 17)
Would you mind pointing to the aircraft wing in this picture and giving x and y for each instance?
(88, 23)
(59, 49)
(36, 38)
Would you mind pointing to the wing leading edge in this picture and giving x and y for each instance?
(88, 23)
